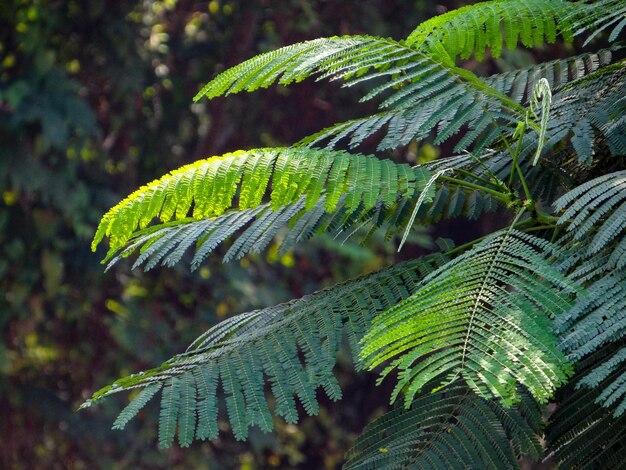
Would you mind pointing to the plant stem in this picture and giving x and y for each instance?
(515, 155)
(536, 228)
(477, 178)
(523, 181)
(504, 197)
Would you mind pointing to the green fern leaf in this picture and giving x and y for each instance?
(206, 381)
(493, 338)
(430, 79)
(250, 373)
(234, 400)
(170, 406)
(293, 346)
(471, 29)
(444, 428)
(217, 180)
(609, 375)
(594, 211)
(136, 405)
(582, 110)
(187, 414)
(589, 108)
(282, 391)
(166, 243)
(500, 321)
(593, 331)
(599, 16)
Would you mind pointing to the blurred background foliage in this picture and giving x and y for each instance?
(96, 100)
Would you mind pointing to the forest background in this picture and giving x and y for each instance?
(96, 100)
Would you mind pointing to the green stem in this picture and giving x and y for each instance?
(477, 83)
(504, 197)
(523, 181)
(557, 231)
(477, 178)
(518, 169)
(546, 218)
(508, 148)
(536, 228)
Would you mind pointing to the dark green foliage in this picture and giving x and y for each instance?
(582, 328)
(447, 427)
(595, 214)
(136, 405)
(594, 330)
(170, 401)
(429, 93)
(582, 434)
(86, 72)
(265, 345)
(599, 16)
(167, 243)
(478, 336)
(610, 377)
(343, 194)
(580, 112)
(590, 109)
(433, 86)
(519, 83)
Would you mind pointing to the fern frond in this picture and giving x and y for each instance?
(442, 95)
(253, 229)
(599, 16)
(608, 375)
(433, 44)
(167, 243)
(596, 213)
(448, 112)
(293, 346)
(170, 406)
(136, 405)
(495, 24)
(353, 59)
(587, 111)
(580, 266)
(484, 317)
(589, 108)
(207, 377)
(411, 113)
(428, 92)
(207, 188)
(519, 83)
(444, 428)
(187, 415)
(595, 323)
(582, 434)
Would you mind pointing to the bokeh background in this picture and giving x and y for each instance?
(96, 100)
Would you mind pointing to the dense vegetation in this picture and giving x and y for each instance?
(479, 337)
